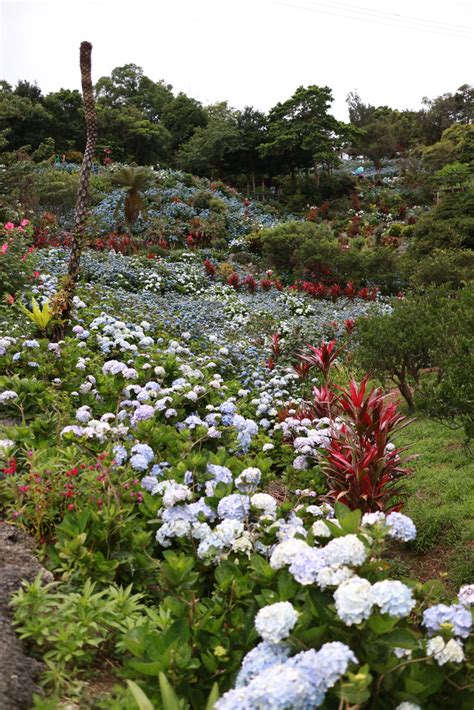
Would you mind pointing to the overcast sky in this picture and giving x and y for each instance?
(250, 52)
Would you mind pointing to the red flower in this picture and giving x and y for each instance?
(11, 468)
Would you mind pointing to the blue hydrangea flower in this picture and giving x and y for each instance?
(456, 614)
(248, 480)
(120, 454)
(259, 659)
(234, 507)
(144, 450)
(139, 462)
(401, 527)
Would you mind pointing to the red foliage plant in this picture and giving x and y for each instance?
(323, 357)
(209, 268)
(234, 280)
(362, 466)
(250, 282)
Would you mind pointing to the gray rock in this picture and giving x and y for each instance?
(18, 672)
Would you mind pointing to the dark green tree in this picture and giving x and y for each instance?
(301, 131)
(181, 117)
(209, 149)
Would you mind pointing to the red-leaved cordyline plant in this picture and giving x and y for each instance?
(302, 369)
(250, 282)
(234, 280)
(350, 290)
(325, 402)
(349, 325)
(275, 346)
(362, 466)
(209, 268)
(323, 357)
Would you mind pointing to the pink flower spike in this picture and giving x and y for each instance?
(8, 226)
(24, 222)
(4, 248)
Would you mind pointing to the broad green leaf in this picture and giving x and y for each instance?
(382, 624)
(402, 638)
(213, 696)
(152, 668)
(168, 696)
(341, 510)
(350, 523)
(140, 698)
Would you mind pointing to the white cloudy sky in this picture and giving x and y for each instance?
(250, 52)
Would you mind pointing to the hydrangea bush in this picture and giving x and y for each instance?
(154, 447)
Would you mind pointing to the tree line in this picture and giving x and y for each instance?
(143, 121)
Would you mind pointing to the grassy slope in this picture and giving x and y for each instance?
(441, 503)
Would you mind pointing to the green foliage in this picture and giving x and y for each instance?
(301, 133)
(449, 225)
(455, 145)
(72, 628)
(399, 344)
(449, 397)
(43, 317)
(56, 189)
(453, 267)
(441, 501)
(133, 181)
(453, 175)
(15, 261)
(311, 251)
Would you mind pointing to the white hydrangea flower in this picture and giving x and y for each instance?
(451, 652)
(274, 622)
(320, 529)
(346, 550)
(373, 518)
(333, 576)
(393, 598)
(264, 502)
(353, 600)
(466, 595)
(284, 553)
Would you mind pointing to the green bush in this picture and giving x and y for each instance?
(449, 397)
(453, 267)
(398, 345)
(449, 225)
(15, 260)
(202, 200)
(57, 189)
(312, 251)
(295, 247)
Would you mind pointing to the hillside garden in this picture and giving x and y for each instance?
(243, 449)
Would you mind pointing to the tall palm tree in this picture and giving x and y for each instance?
(133, 180)
(62, 301)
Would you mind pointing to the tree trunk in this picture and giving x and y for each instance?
(407, 394)
(62, 302)
(316, 174)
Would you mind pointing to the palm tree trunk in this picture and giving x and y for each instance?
(63, 299)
